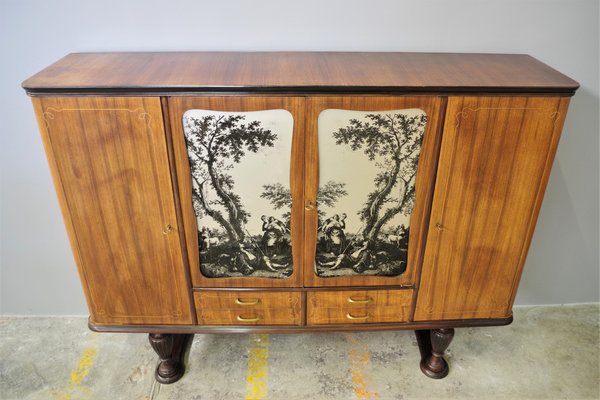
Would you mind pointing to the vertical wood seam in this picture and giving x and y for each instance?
(175, 193)
(427, 220)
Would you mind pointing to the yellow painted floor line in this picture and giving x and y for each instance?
(75, 389)
(257, 383)
(360, 363)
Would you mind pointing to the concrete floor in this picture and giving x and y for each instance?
(547, 353)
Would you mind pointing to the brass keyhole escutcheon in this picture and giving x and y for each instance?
(168, 229)
(309, 206)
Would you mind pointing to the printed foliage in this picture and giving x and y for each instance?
(397, 138)
(391, 142)
(279, 196)
(216, 144)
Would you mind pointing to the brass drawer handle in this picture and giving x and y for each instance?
(242, 319)
(350, 316)
(360, 301)
(247, 303)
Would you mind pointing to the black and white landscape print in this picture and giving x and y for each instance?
(240, 165)
(368, 163)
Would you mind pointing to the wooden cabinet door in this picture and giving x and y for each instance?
(108, 157)
(494, 164)
(369, 172)
(239, 163)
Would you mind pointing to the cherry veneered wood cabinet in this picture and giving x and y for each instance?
(299, 192)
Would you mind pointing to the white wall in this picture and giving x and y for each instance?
(38, 275)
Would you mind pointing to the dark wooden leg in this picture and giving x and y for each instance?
(432, 345)
(424, 342)
(170, 348)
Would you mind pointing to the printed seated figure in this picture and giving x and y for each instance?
(273, 231)
(335, 241)
(244, 260)
(362, 257)
(334, 232)
(272, 241)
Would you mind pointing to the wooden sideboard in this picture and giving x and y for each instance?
(299, 192)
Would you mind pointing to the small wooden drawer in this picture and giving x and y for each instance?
(358, 306)
(248, 308)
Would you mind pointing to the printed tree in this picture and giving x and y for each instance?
(279, 196)
(395, 140)
(215, 144)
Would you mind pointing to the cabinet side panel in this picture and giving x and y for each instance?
(494, 164)
(110, 166)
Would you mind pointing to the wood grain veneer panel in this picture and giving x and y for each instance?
(358, 306)
(432, 106)
(494, 164)
(256, 308)
(312, 71)
(109, 162)
(295, 105)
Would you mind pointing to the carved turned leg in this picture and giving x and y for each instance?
(170, 348)
(433, 344)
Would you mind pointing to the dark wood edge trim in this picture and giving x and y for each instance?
(303, 289)
(175, 186)
(303, 122)
(425, 228)
(186, 329)
(299, 90)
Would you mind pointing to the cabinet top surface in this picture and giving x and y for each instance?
(297, 71)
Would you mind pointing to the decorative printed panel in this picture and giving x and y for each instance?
(240, 166)
(367, 168)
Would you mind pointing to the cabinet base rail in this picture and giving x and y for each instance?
(356, 327)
